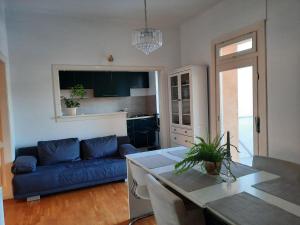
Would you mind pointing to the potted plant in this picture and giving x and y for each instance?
(209, 154)
(73, 102)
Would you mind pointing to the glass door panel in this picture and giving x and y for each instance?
(185, 99)
(174, 100)
(237, 109)
(186, 120)
(186, 108)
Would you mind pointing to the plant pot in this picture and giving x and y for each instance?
(213, 168)
(70, 111)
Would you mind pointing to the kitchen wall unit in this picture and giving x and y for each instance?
(105, 83)
(188, 105)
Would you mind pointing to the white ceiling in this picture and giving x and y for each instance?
(161, 12)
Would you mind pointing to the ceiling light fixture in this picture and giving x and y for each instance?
(147, 39)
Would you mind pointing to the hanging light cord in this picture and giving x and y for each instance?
(146, 18)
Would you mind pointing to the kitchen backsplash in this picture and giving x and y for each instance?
(134, 104)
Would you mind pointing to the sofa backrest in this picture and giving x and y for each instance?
(26, 151)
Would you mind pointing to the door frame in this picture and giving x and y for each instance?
(260, 53)
(8, 146)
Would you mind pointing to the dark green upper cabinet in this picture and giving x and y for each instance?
(121, 83)
(138, 79)
(105, 83)
(68, 79)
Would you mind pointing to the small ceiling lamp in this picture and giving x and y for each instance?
(147, 39)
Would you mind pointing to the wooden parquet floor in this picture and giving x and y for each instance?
(102, 205)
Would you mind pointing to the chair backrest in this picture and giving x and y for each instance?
(285, 169)
(138, 174)
(168, 208)
(139, 186)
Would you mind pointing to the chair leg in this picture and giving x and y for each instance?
(139, 218)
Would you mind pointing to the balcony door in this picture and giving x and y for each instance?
(238, 91)
(237, 107)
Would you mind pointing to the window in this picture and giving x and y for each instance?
(237, 46)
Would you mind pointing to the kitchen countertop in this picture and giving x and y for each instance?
(91, 116)
(139, 117)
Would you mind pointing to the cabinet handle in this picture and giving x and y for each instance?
(185, 131)
(186, 141)
(175, 129)
(179, 100)
(174, 138)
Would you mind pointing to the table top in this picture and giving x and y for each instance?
(203, 196)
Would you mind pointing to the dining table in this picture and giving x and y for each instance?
(256, 197)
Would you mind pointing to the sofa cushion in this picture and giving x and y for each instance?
(69, 175)
(127, 149)
(24, 164)
(56, 151)
(100, 147)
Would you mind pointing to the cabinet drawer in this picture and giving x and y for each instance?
(183, 131)
(182, 139)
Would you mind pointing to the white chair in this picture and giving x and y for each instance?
(168, 208)
(139, 187)
(285, 169)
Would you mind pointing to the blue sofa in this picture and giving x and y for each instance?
(61, 165)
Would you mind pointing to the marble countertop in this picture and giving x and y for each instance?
(139, 117)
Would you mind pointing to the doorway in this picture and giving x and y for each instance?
(238, 91)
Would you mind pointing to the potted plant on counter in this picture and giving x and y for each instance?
(73, 102)
(210, 155)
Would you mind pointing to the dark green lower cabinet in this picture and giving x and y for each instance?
(142, 132)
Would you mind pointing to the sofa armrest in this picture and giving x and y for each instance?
(24, 164)
(126, 149)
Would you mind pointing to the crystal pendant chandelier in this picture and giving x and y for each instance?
(147, 39)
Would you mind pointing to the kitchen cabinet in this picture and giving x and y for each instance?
(111, 84)
(68, 79)
(105, 83)
(118, 84)
(188, 105)
(141, 131)
(138, 79)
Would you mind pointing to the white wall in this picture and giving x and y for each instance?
(283, 45)
(283, 56)
(3, 35)
(38, 40)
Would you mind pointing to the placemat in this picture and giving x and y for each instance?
(281, 188)
(239, 170)
(179, 153)
(191, 180)
(155, 161)
(245, 209)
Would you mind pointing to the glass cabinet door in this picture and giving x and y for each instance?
(185, 98)
(174, 100)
